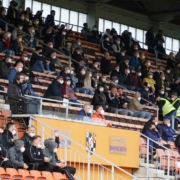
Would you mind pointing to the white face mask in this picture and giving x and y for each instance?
(96, 65)
(51, 46)
(37, 22)
(83, 72)
(102, 111)
(9, 35)
(64, 33)
(118, 42)
(122, 54)
(149, 64)
(143, 57)
(61, 81)
(139, 98)
(101, 89)
(14, 132)
(168, 124)
(68, 71)
(117, 70)
(27, 19)
(20, 39)
(79, 43)
(162, 92)
(33, 31)
(148, 85)
(116, 81)
(139, 74)
(163, 78)
(156, 123)
(128, 71)
(107, 39)
(20, 69)
(168, 71)
(39, 146)
(22, 18)
(147, 89)
(172, 99)
(103, 79)
(53, 57)
(25, 58)
(20, 27)
(22, 149)
(90, 111)
(90, 75)
(95, 29)
(72, 72)
(78, 52)
(31, 134)
(137, 55)
(97, 77)
(150, 76)
(55, 150)
(9, 60)
(136, 48)
(68, 82)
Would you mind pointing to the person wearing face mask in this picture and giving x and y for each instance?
(169, 76)
(8, 135)
(95, 80)
(125, 64)
(136, 79)
(77, 44)
(116, 47)
(30, 38)
(142, 58)
(4, 18)
(168, 132)
(161, 83)
(171, 62)
(53, 59)
(87, 34)
(137, 107)
(54, 89)
(114, 83)
(47, 50)
(27, 138)
(99, 114)
(58, 165)
(102, 82)
(121, 57)
(94, 66)
(12, 12)
(5, 66)
(37, 28)
(50, 18)
(145, 68)
(96, 34)
(160, 50)
(115, 72)
(17, 46)
(134, 61)
(86, 111)
(66, 73)
(74, 80)
(17, 31)
(15, 155)
(106, 45)
(158, 72)
(134, 47)
(18, 67)
(67, 89)
(159, 37)
(149, 79)
(34, 157)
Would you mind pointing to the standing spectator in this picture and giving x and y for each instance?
(145, 68)
(159, 37)
(88, 36)
(87, 82)
(30, 39)
(177, 70)
(171, 61)
(5, 66)
(117, 49)
(169, 76)
(3, 17)
(126, 38)
(11, 12)
(96, 35)
(106, 66)
(137, 108)
(15, 155)
(150, 40)
(77, 44)
(50, 19)
(134, 61)
(167, 132)
(161, 52)
(29, 13)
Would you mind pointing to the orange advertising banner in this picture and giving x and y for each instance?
(117, 145)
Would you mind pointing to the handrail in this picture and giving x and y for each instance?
(74, 60)
(173, 120)
(102, 158)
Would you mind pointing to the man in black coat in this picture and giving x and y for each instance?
(106, 66)
(5, 66)
(50, 19)
(150, 40)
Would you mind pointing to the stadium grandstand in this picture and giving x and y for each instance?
(89, 90)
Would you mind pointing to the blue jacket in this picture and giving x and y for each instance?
(16, 48)
(54, 89)
(134, 62)
(154, 136)
(12, 74)
(82, 113)
(167, 133)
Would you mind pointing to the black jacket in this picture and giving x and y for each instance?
(27, 140)
(80, 83)
(106, 46)
(123, 66)
(4, 67)
(49, 20)
(106, 66)
(35, 56)
(115, 73)
(8, 139)
(177, 104)
(125, 79)
(150, 38)
(33, 155)
(112, 101)
(46, 51)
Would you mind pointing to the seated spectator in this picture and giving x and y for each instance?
(124, 65)
(113, 103)
(147, 94)
(160, 50)
(30, 39)
(27, 138)
(153, 134)
(36, 81)
(108, 34)
(86, 111)
(18, 31)
(68, 90)
(74, 80)
(134, 47)
(169, 76)
(65, 72)
(115, 72)
(77, 44)
(87, 82)
(161, 93)
(149, 79)
(68, 50)
(34, 157)
(106, 45)
(99, 114)
(167, 132)
(95, 80)
(28, 12)
(54, 89)
(25, 60)
(50, 152)
(8, 135)
(88, 36)
(142, 58)
(106, 66)
(125, 80)
(114, 83)
(5, 66)
(94, 66)
(47, 50)
(145, 68)
(17, 46)
(160, 82)
(152, 121)
(102, 82)
(18, 67)
(136, 79)
(77, 56)
(122, 97)
(53, 60)
(134, 61)
(96, 35)
(15, 155)
(137, 108)
(37, 28)
(38, 62)
(50, 19)
(158, 73)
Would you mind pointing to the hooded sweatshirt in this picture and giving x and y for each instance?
(49, 152)
(15, 155)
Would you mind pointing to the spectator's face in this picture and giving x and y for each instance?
(31, 130)
(61, 80)
(68, 82)
(8, 60)
(117, 68)
(19, 38)
(148, 63)
(19, 67)
(50, 44)
(103, 78)
(28, 10)
(106, 55)
(67, 70)
(167, 123)
(20, 9)
(136, 54)
(27, 17)
(126, 61)
(114, 90)
(135, 47)
(155, 121)
(108, 31)
(32, 30)
(173, 97)
(123, 53)
(120, 91)
(37, 141)
(78, 51)
(35, 79)
(36, 21)
(95, 65)
(87, 109)
(21, 79)
(150, 76)
(99, 110)
(153, 127)
(83, 72)
(53, 55)
(161, 91)
(142, 55)
(20, 27)
(22, 17)
(138, 96)
(53, 13)
(127, 71)
(78, 42)
(118, 40)
(4, 12)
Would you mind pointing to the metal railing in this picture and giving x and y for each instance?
(174, 118)
(86, 166)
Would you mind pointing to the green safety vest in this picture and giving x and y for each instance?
(177, 110)
(167, 108)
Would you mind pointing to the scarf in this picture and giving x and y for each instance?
(8, 43)
(21, 46)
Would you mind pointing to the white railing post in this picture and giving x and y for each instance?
(147, 160)
(168, 164)
(67, 108)
(173, 121)
(40, 108)
(88, 165)
(42, 134)
(65, 149)
(112, 172)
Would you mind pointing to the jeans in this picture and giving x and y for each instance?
(10, 52)
(31, 44)
(39, 67)
(76, 105)
(84, 91)
(121, 111)
(170, 116)
(142, 114)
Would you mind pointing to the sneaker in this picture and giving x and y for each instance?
(46, 72)
(51, 72)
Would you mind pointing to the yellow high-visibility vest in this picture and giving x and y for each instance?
(167, 108)
(177, 110)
